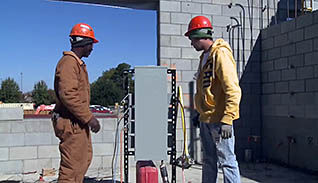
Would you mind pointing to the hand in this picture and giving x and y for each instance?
(226, 131)
(94, 125)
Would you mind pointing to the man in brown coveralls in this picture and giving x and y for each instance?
(72, 118)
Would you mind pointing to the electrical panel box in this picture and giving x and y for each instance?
(151, 113)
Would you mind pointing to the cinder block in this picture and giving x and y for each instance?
(274, 99)
(103, 149)
(189, 53)
(268, 43)
(285, 99)
(37, 164)
(38, 138)
(220, 20)
(11, 167)
(165, 17)
(315, 16)
(188, 76)
(311, 111)
(5, 127)
(226, 11)
(274, 76)
(288, 26)
(265, 77)
(20, 153)
(303, 21)
(281, 87)
(11, 114)
(297, 110)
(46, 126)
(296, 61)
(9, 140)
(195, 64)
(304, 46)
(51, 151)
(311, 58)
(97, 162)
(305, 98)
(311, 31)
(297, 86)
(296, 36)
(56, 163)
(4, 154)
(274, 30)
(191, 7)
(17, 127)
(212, 9)
(281, 63)
(316, 44)
(316, 71)
(182, 64)
(165, 40)
(55, 140)
(180, 41)
(268, 88)
(108, 123)
(281, 110)
(32, 125)
(267, 66)
(170, 29)
(202, 1)
(97, 137)
(288, 50)
(305, 72)
(264, 34)
(268, 110)
(274, 53)
(107, 162)
(170, 52)
(170, 6)
(109, 136)
(280, 40)
(311, 85)
(226, 2)
(180, 18)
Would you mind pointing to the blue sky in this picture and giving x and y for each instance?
(35, 33)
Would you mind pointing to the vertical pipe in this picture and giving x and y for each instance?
(238, 51)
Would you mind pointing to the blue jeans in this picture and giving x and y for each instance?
(218, 151)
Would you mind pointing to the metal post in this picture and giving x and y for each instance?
(174, 116)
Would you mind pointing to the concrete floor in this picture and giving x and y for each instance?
(250, 173)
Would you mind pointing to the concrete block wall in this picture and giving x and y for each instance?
(290, 92)
(30, 144)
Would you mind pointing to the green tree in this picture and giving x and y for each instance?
(10, 92)
(52, 96)
(108, 89)
(40, 94)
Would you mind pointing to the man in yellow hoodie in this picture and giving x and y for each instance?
(217, 100)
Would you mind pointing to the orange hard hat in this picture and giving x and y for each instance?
(198, 22)
(83, 30)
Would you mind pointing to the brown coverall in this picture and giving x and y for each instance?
(72, 89)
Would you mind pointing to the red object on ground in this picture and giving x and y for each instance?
(146, 172)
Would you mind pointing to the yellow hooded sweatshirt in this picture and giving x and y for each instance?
(218, 92)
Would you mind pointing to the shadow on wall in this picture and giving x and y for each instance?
(248, 127)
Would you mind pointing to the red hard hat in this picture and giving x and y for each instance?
(198, 22)
(83, 30)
